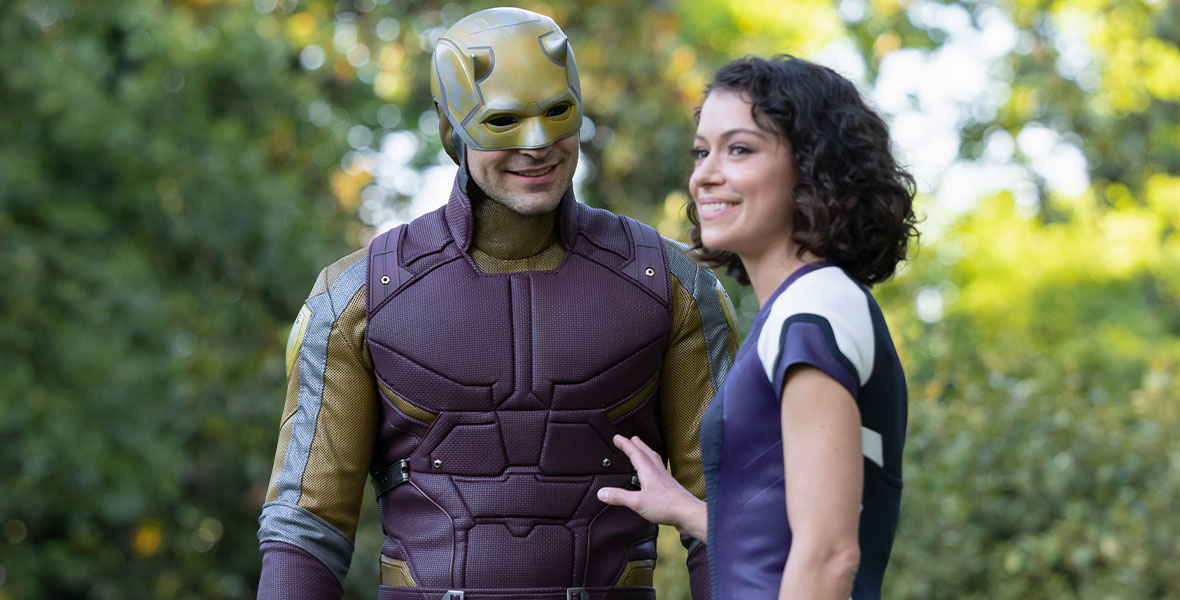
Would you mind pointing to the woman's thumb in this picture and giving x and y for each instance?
(615, 496)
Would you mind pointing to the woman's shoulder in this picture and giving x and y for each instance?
(824, 291)
(836, 309)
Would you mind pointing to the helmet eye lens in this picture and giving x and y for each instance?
(558, 110)
(502, 121)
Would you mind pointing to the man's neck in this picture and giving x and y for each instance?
(503, 233)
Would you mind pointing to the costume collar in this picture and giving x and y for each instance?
(505, 234)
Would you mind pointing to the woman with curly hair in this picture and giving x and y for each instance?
(796, 193)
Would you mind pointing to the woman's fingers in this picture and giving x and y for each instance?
(651, 454)
(660, 499)
(619, 497)
(626, 445)
(641, 456)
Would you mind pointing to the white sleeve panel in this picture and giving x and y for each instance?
(828, 293)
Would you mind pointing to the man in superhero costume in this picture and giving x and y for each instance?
(476, 363)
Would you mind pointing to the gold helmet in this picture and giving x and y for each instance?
(504, 78)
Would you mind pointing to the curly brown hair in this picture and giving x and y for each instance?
(853, 203)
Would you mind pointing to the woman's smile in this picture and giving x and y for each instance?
(711, 209)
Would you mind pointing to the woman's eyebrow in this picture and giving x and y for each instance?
(733, 132)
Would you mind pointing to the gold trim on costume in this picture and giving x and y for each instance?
(409, 409)
(633, 401)
(295, 338)
(637, 572)
(396, 573)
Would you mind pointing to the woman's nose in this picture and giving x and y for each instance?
(706, 172)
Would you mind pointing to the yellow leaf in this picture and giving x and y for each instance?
(148, 537)
(301, 27)
(347, 188)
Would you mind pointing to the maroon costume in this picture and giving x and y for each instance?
(498, 395)
(481, 393)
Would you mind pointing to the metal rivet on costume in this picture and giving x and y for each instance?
(385, 279)
(650, 272)
(606, 462)
(438, 463)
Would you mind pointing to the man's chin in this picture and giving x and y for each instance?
(534, 207)
(536, 202)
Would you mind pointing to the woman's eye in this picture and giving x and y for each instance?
(502, 121)
(698, 153)
(558, 110)
(739, 150)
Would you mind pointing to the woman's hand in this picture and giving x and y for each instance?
(660, 499)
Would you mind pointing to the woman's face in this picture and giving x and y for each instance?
(742, 180)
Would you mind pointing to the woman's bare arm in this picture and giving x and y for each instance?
(824, 482)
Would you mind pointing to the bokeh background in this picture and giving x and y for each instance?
(174, 174)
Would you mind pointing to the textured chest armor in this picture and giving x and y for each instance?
(503, 391)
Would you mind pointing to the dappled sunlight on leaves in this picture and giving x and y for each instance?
(173, 175)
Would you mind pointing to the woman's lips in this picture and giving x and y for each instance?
(710, 209)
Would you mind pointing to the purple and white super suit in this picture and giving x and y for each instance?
(481, 393)
(820, 317)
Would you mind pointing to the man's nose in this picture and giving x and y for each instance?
(534, 133)
(536, 153)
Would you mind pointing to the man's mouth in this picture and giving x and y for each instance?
(539, 172)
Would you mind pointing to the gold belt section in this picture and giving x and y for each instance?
(637, 573)
(396, 573)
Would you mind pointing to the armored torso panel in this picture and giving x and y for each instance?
(501, 393)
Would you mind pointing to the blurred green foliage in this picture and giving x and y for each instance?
(163, 204)
(173, 175)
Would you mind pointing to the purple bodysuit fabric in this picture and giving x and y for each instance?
(501, 392)
(822, 318)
